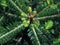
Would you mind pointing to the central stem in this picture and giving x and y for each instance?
(31, 17)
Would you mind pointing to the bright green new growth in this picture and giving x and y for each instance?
(53, 6)
(23, 14)
(48, 24)
(48, 1)
(29, 9)
(23, 19)
(34, 12)
(56, 41)
(26, 23)
(45, 4)
(3, 3)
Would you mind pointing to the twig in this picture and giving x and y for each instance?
(15, 6)
(46, 8)
(19, 40)
(36, 36)
(12, 15)
(1, 18)
(45, 17)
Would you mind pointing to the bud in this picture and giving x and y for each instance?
(23, 14)
(23, 19)
(34, 12)
(26, 23)
(29, 9)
